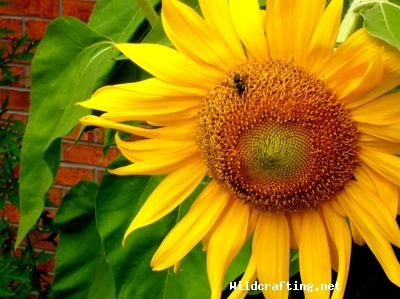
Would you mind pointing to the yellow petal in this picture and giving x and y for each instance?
(390, 78)
(173, 132)
(398, 206)
(192, 228)
(168, 113)
(118, 100)
(247, 22)
(367, 211)
(154, 148)
(306, 17)
(278, 26)
(271, 248)
(249, 276)
(207, 237)
(173, 123)
(386, 84)
(253, 219)
(388, 132)
(225, 243)
(155, 89)
(387, 191)
(364, 178)
(351, 60)
(297, 224)
(381, 111)
(292, 239)
(357, 86)
(315, 264)
(176, 267)
(333, 251)
(155, 166)
(170, 193)
(378, 144)
(216, 14)
(324, 38)
(357, 238)
(192, 36)
(378, 244)
(171, 66)
(339, 231)
(338, 208)
(386, 165)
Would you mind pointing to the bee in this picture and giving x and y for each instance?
(238, 84)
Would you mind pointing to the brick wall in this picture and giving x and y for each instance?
(82, 161)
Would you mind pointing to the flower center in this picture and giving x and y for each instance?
(276, 137)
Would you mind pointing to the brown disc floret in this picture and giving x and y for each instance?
(275, 136)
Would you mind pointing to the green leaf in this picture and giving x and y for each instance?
(192, 3)
(71, 62)
(294, 266)
(118, 200)
(118, 19)
(157, 35)
(382, 21)
(69, 65)
(81, 269)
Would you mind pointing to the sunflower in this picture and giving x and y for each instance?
(299, 139)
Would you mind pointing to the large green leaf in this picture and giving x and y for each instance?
(72, 61)
(81, 268)
(67, 67)
(117, 19)
(382, 21)
(118, 201)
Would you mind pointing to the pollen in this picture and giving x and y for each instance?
(276, 137)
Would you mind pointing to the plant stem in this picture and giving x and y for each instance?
(34, 273)
(148, 11)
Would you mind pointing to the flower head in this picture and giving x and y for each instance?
(296, 136)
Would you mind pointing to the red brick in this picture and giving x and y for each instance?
(35, 29)
(55, 195)
(19, 100)
(32, 8)
(16, 171)
(70, 176)
(87, 154)
(14, 25)
(47, 266)
(78, 9)
(46, 281)
(99, 175)
(15, 116)
(18, 71)
(28, 74)
(100, 135)
(87, 136)
(20, 50)
(36, 239)
(51, 214)
(10, 213)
